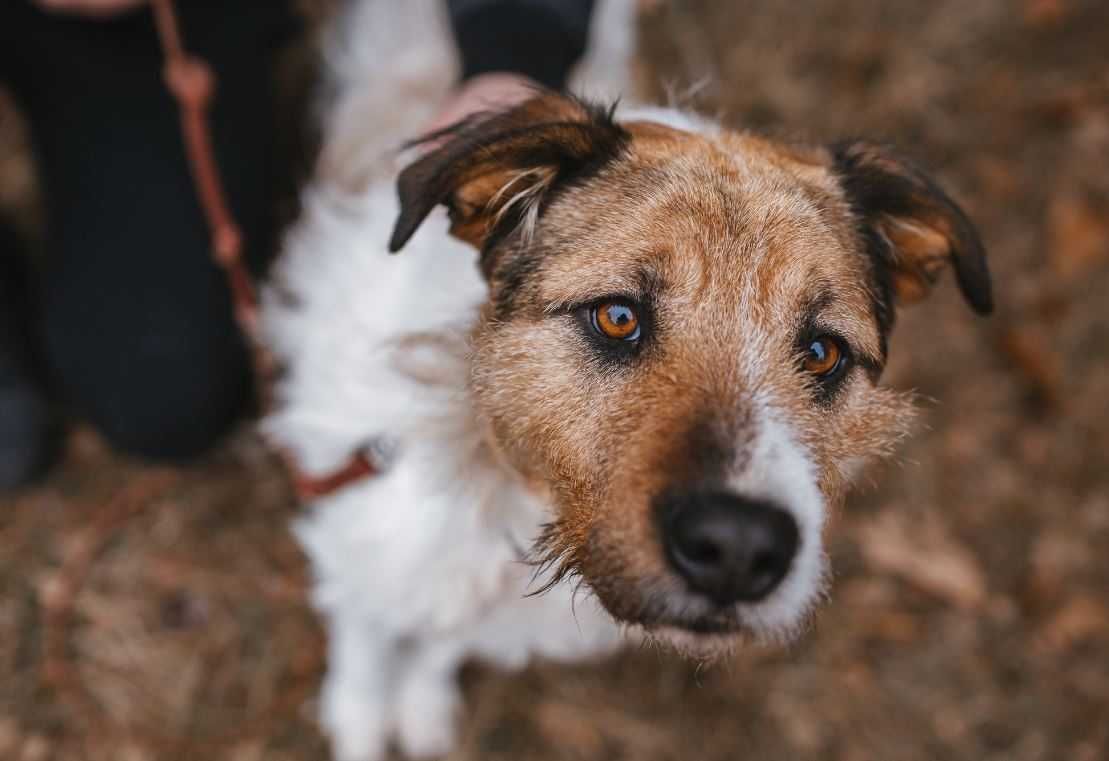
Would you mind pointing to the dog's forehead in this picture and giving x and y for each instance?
(704, 215)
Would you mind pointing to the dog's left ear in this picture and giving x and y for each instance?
(912, 229)
(495, 170)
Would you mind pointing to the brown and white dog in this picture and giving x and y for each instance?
(641, 351)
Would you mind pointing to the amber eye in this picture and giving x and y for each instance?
(823, 357)
(616, 320)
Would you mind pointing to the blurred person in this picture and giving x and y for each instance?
(128, 323)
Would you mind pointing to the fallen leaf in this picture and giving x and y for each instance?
(926, 557)
(1031, 355)
(1078, 235)
(997, 176)
(898, 628)
(35, 748)
(1038, 13)
(1079, 619)
(9, 736)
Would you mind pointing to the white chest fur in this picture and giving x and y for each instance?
(420, 567)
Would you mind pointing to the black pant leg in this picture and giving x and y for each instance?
(137, 327)
(28, 433)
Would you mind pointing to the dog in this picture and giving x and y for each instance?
(618, 374)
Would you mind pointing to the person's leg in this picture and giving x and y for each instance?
(28, 435)
(137, 327)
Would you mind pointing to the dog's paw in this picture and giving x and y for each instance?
(355, 725)
(425, 716)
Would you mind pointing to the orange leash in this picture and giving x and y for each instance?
(192, 83)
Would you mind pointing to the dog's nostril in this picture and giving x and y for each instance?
(703, 552)
(765, 564)
(767, 570)
(729, 548)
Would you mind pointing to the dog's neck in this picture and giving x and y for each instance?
(453, 443)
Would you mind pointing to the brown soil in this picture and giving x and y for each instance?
(160, 614)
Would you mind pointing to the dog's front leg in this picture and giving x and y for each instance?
(354, 701)
(427, 698)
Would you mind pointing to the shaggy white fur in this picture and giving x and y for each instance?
(420, 567)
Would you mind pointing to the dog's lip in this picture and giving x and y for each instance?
(702, 645)
(700, 626)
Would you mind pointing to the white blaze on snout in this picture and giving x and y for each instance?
(776, 468)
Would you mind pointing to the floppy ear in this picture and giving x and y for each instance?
(912, 228)
(496, 170)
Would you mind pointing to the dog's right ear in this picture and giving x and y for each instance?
(496, 169)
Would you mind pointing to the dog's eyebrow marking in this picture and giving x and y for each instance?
(642, 285)
(817, 317)
(817, 303)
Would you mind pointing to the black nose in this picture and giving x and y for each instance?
(726, 547)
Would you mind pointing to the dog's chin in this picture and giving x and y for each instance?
(715, 637)
(661, 609)
(697, 628)
(697, 644)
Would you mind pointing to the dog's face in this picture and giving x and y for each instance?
(682, 342)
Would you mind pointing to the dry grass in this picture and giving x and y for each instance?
(969, 618)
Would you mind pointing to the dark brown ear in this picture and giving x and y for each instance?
(912, 229)
(496, 169)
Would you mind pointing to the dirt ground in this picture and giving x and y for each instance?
(160, 614)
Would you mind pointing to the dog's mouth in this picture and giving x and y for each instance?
(665, 610)
(712, 625)
(719, 633)
(704, 639)
(736, 570)
(666, 613)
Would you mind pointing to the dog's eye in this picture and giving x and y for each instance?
(616, 320)
(824, 357)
